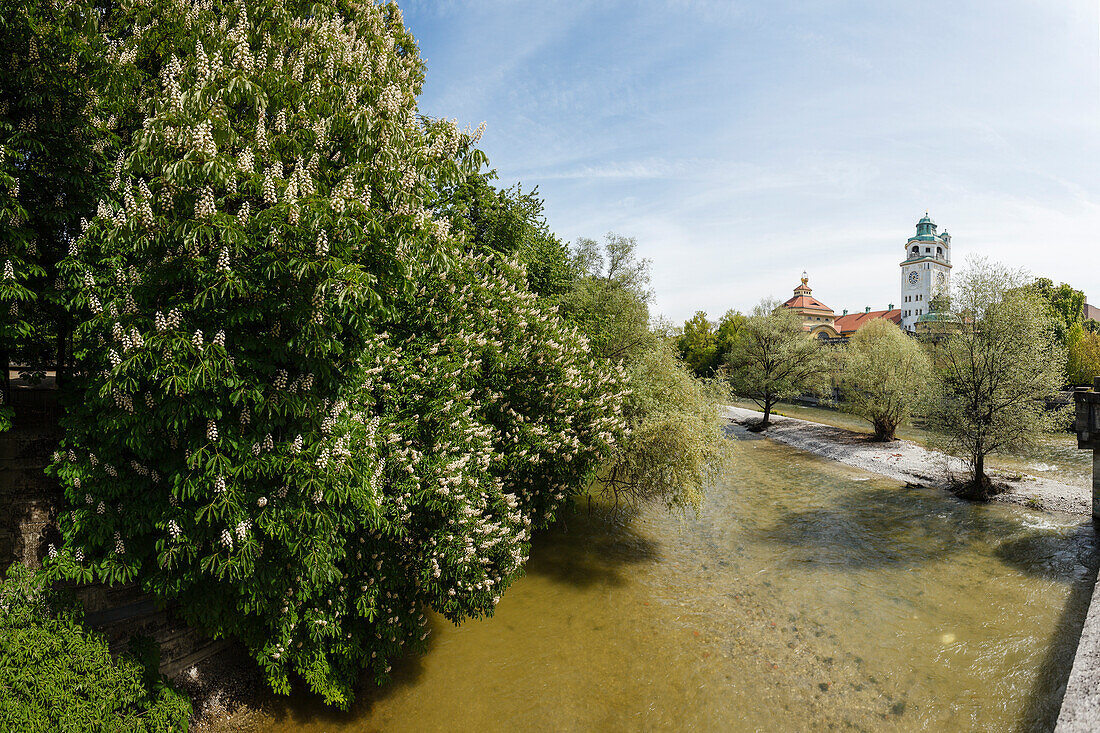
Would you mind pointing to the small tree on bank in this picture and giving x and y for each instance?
(774, 358)
(995, 371)
(884, 373)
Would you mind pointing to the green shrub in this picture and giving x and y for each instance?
(56, 675)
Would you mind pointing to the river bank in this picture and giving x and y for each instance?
(904, 460)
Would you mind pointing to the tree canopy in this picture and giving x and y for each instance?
(609, 300)
(704, 346)
(1082, 356)
(1066, 304)
(775, 358)
(308, 410)
(884, 375)
(995, 371)
(52, 159)
(511, 222)
(671, 448)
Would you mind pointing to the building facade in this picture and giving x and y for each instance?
(1090, 312)
(821, 322)
(817, 318)
(925, 271)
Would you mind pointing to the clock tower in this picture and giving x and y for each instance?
(925, 272)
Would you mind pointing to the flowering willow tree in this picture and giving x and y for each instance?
(307, 414)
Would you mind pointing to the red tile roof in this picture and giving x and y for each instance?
(850, 323)
(805, 301)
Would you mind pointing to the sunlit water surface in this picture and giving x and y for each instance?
(805, 596)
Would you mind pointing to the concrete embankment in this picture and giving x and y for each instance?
(1080, 711)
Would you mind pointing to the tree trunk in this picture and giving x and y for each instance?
(767, 414)
(884, 429)
(62, 342)
(979, 488)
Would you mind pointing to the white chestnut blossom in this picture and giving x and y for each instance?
(246, 161)
(204, 208)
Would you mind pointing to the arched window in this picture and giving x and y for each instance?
(939, 253)
(915, 251)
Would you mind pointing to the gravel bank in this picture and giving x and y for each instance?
(905, 461)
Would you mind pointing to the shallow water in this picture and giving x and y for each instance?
(805, 596)
(1056, 456)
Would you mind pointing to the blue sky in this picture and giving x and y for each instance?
(742, 142)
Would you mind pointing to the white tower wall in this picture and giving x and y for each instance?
(925, 271)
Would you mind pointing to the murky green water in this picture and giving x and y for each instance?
(1055, 457)
(806, 596)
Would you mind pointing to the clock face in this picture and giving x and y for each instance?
(913, 277)
(941, 278)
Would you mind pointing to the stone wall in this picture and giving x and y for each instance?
(29, 505)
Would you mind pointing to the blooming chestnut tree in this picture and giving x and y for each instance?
(306, 414)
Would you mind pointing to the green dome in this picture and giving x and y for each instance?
(926, 228)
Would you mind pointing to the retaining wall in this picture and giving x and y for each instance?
(1081, 703)
(29, 505)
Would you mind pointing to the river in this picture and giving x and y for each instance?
(806, 595)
